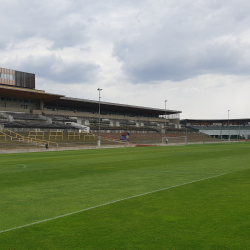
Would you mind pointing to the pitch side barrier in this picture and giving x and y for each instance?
(36, 134)
(104, 138)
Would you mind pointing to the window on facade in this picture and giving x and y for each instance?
(26, 100)
(8, 99)
(14, 100)
(7, 76)
(2, 98)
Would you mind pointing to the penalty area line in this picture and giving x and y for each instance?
(108, 203)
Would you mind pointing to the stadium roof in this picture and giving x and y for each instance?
(27, 93)
(75, 103)
(108, 106)
(214, 120)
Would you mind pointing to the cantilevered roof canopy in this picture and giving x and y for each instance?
(108, 106)
(216, 121)
(27, 93)
(62, 101)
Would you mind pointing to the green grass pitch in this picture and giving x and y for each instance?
(186, 197)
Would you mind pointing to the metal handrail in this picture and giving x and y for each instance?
(29, 139)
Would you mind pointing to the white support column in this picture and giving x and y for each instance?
(41, 104)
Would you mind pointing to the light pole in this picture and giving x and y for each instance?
(228, 127)
(239, 134)
(99, 141)
(165, 116)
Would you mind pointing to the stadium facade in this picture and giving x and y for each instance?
(18, 94)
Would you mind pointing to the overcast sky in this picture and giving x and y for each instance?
(194, 54)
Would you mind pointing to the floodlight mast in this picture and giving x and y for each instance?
(228, 127)
(99, 141)
(165, 117)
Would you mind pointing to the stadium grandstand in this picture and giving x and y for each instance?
(220, 128)
(23, 108)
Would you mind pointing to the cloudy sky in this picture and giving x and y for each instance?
(192, 53)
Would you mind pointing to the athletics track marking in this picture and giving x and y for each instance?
(111, 202)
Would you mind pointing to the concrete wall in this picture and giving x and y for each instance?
(18, 104)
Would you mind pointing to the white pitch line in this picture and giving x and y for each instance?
(111, 202)
(24, 166)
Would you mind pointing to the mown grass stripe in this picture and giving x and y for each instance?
(108, 203)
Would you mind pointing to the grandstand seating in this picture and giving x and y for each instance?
(61, 118)
(24, 120)
(23, 124)
(150, 132)
(25, 116)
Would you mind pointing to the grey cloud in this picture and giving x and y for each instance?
(202, 38)
(178, 62)
(3, 43)
(49, 20)
(68, 36)
(64, 23)
(58, 70)
(154, 40)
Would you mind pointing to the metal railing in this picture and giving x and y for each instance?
(16, 136)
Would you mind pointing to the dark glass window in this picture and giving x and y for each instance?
(24, 80)
(8, 99)
(2, 98)
(14, 100)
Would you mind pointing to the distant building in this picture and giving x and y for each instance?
(17, 78)
(220, 128)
